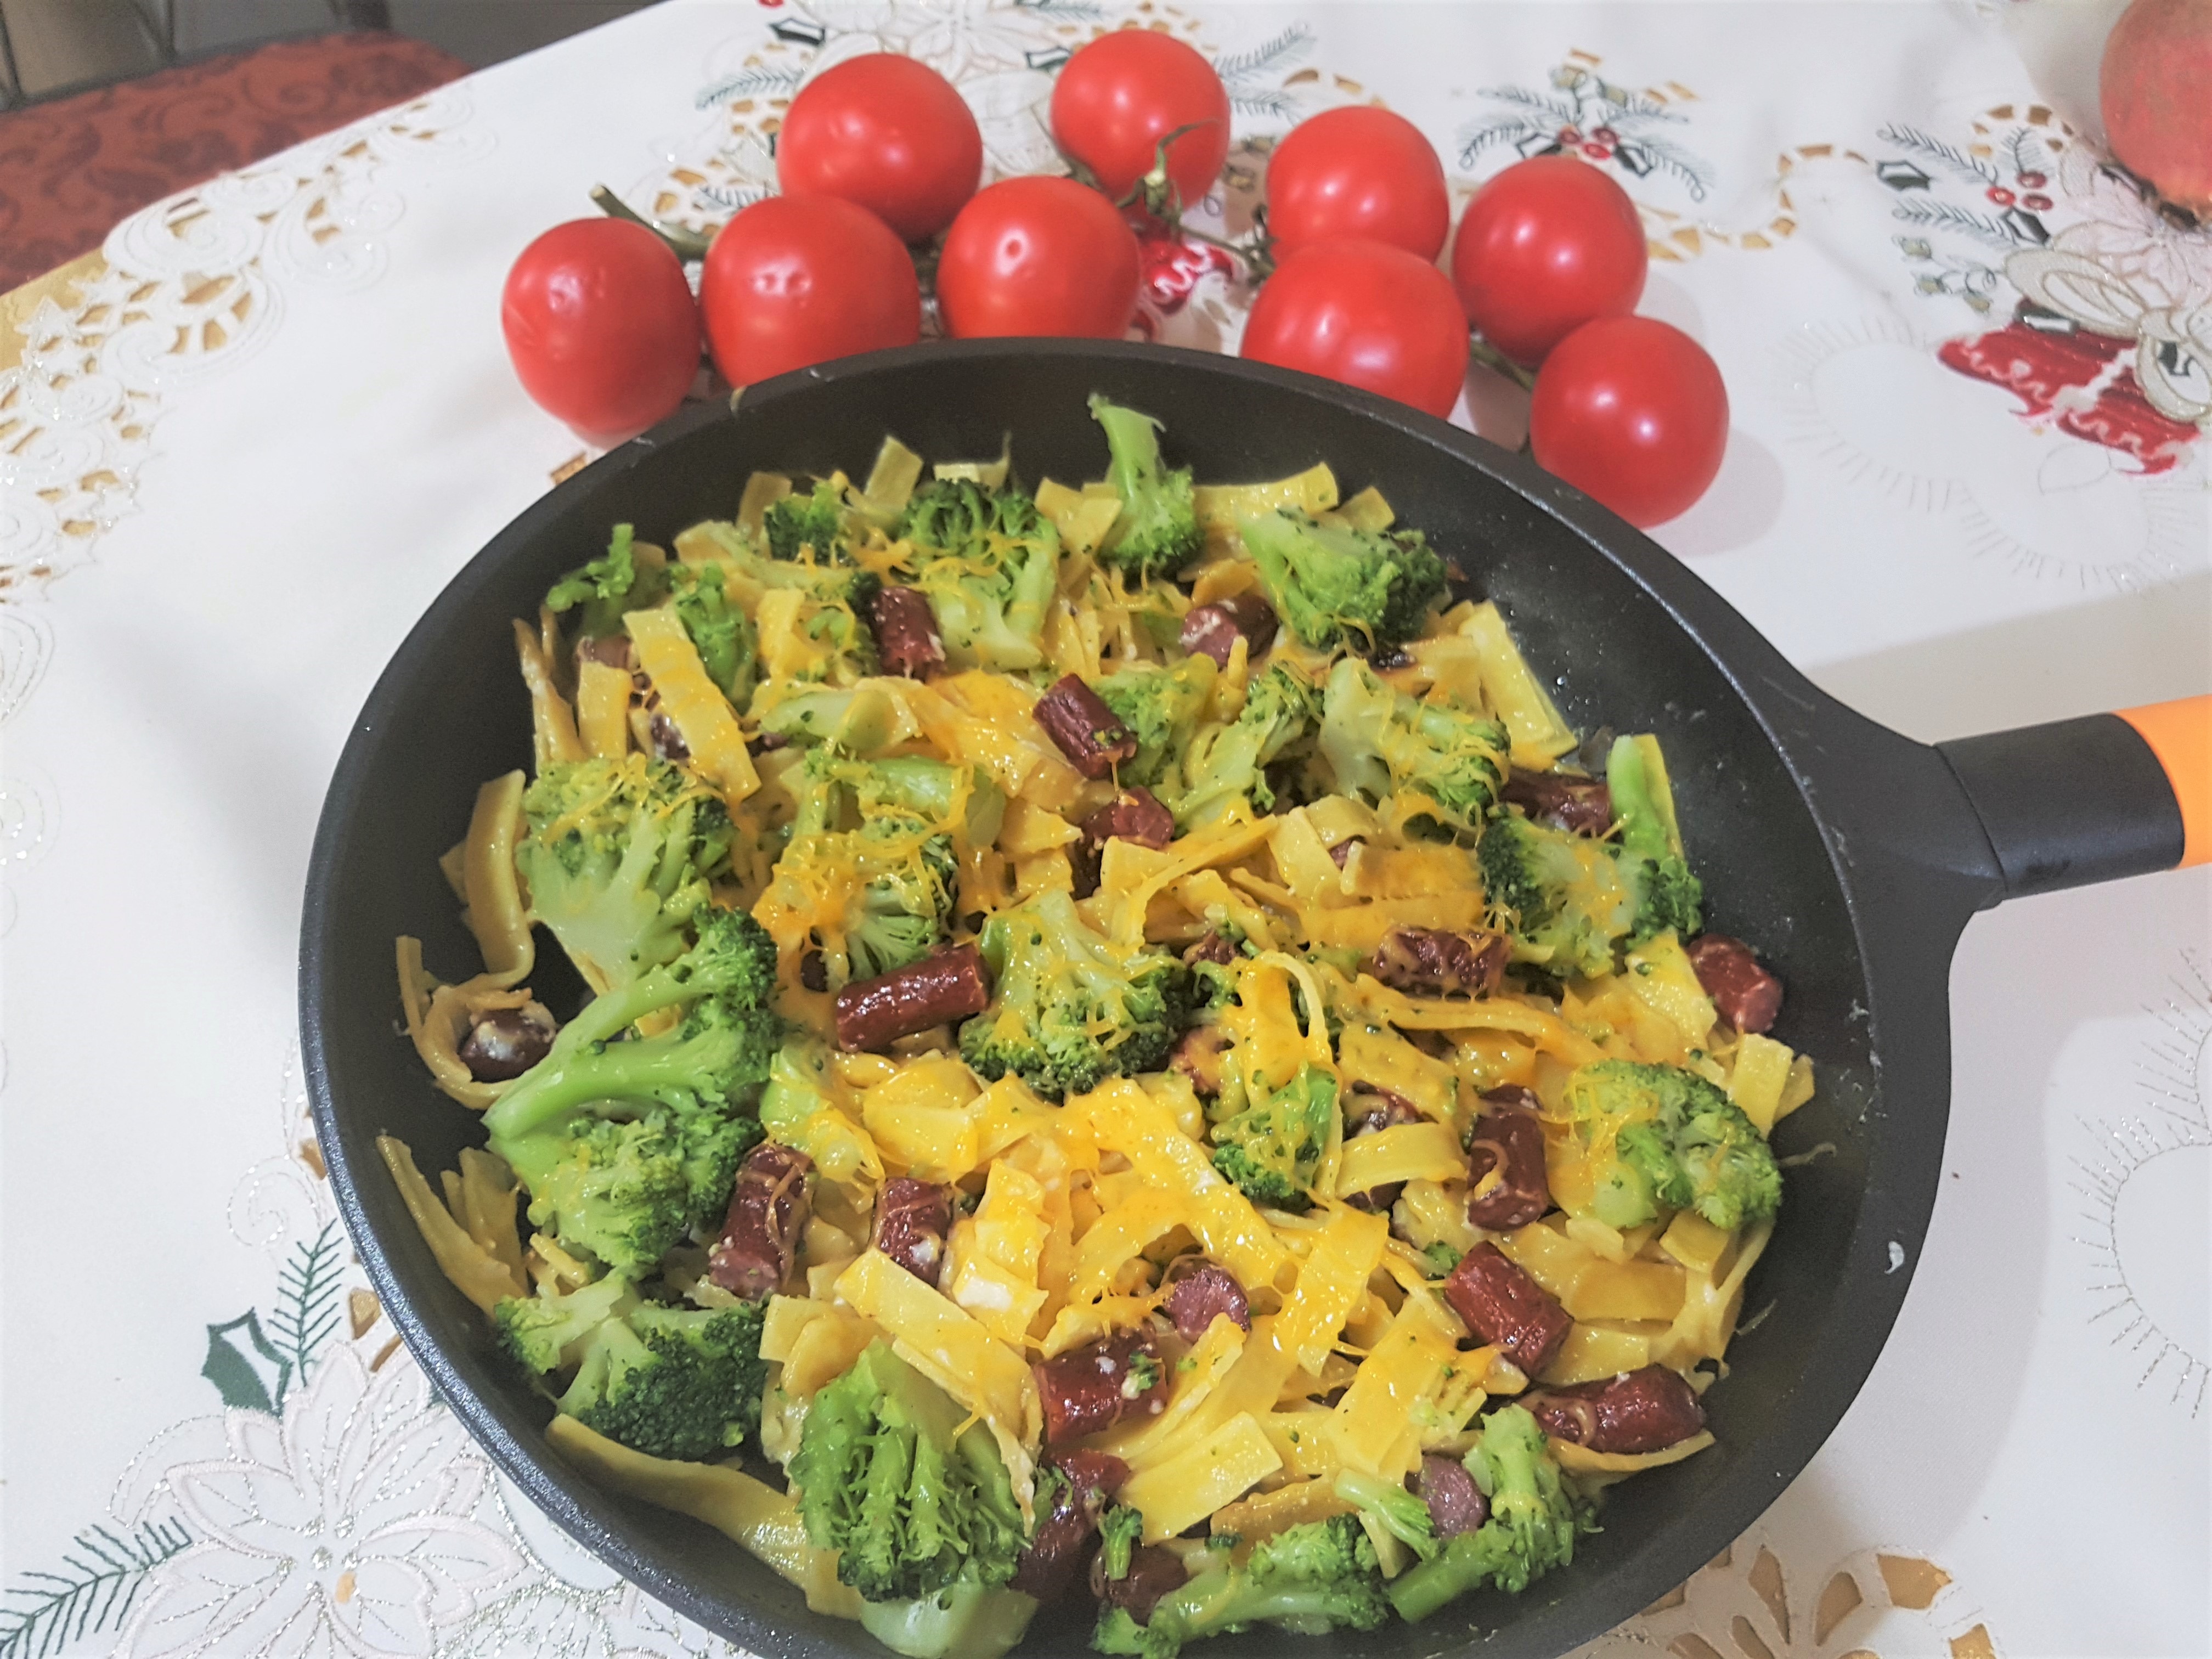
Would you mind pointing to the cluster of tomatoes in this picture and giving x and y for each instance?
(879, 156)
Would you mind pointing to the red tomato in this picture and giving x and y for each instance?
(1038, 255)
(888, 133)
(1632, 410)
(1118, 96)
(1368, 314)
(796, 280)
(1547, 245)
(601, 328)
(1357, 172)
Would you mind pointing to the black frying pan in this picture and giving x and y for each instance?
(1851, 856)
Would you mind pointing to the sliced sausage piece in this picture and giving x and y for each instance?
(1639, 1411)
(1088, 733)
(912, 1219)
(1374, 1110)
(612, 649)
(668, 743)
(1341, 854)
(1054, 1563)
(1455, 1502)
(768, 1211)
(1154, 1573)
(1435, 962)
(1506, 1308)
(874, 1014)
(1509, 1137)
(906, 632)
(1581, 806)
(1217, 948)
(1136, 815)
(507, 1042)
(1747, 996)
(1213, 631)
(1202, 1292)
(1198, 1056)
(1090, 1388)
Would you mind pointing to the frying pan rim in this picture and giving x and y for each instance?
(1866, 1302)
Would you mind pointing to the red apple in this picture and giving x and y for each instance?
(2155, 87)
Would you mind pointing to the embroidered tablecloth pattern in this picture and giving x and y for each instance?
(243, 446)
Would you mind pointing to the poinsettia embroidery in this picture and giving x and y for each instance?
(347, 1526)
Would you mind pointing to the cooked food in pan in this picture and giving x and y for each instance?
(1127, 1057)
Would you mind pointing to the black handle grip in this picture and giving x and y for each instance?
(2071, 803)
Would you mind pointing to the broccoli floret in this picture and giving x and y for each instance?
(1271, 1150)
(1572, 904)
(833, 612)
(627, 1190)
(793, 1092)
(628, 1144)
(729, 649)
(1534, 1518)
(1333, 585)
(989, 564)
(1427, 763)
(672, 1381)
(1307, 1579)
(1442, 1257)
(1667, 895)
(1121, 1530)
(545, 1331)
(723, 985)
(1161, 707)
(1070, 1009)
(813, 523)
(1567, 902)
(1226, 764)
(1403, 1514)
(615, 582)
(618, 856)
(887, 1477)
(1677, 1141)
(1157, 532)
(871, 862)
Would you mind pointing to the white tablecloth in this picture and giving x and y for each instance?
(244, 452)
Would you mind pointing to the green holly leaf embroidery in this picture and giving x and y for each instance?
(246, 1370)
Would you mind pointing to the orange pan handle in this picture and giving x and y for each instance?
(2093, 800)
(2180, 734)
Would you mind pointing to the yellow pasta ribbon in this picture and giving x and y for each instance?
(694, 702)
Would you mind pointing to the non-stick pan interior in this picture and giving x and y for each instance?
(1611, 629)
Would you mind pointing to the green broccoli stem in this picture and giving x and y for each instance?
(1132, 446)
(965, 1621)
(1642, 831)
(1220, 1598)
(1464, 1564)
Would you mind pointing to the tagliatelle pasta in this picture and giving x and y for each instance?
(1124, 1023)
